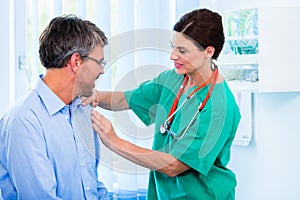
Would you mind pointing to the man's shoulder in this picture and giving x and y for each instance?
(23, 107)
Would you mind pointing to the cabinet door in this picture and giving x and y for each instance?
(239, 58)
(279, 33)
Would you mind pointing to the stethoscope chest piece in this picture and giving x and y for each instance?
(162, 129)
(165, 127)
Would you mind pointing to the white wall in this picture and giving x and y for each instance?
(269, 167)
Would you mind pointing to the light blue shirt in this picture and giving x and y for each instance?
(48, 150)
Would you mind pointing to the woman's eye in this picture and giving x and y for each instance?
(182, 51)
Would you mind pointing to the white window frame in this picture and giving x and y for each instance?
(13, 52)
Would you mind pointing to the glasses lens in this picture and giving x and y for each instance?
(103, 63)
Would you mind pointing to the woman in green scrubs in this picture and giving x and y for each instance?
(194, 113)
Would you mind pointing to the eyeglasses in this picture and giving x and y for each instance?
(101, 62)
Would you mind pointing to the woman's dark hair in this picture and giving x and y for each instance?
(66, 35)
(204, 28)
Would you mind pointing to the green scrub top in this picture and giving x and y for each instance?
(205, 147)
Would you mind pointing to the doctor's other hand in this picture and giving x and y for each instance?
(104, 129)
(93, 100)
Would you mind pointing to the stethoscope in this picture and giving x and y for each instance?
(166, 126)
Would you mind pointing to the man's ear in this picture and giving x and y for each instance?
(75, 61)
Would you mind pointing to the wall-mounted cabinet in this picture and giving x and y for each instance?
(260, 49)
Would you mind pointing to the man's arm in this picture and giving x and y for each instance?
(28, 165)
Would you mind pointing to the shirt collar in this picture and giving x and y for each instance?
(52, 102)
(76, 104)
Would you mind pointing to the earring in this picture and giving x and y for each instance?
(213, 66)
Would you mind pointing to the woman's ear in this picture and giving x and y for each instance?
(210, 50)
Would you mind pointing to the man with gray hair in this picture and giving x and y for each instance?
(48, 149)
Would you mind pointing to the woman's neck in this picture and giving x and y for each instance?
(198, 77)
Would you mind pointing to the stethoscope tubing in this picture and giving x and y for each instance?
(177, 109)
(166, 129)
(188, 126)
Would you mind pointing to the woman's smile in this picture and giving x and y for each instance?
(177, 65)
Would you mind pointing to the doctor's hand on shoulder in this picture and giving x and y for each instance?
(93, 100)
(109, 100)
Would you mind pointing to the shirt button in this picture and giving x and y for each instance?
(88, 189)
(82, 164)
